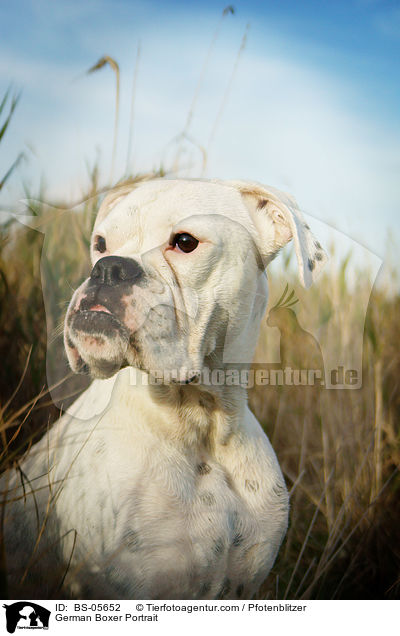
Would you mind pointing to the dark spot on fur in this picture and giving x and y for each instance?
(208, 498)
(131, 540)
(318, 245)
(218, 546)
(225, 589)
(279, 490)
(203, 468)
(113, 576)
(192, 379)
(205, 588)
(306, 226)
(319, 256)
(228, 481)
(239, 590)
(251, 485)
(237, 539)
(70, 343)
(311, 264)
(261, 204)
(134, 345)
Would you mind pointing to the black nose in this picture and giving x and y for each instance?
(113, 270)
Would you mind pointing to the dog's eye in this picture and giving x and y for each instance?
(100, 244)
(185, 242)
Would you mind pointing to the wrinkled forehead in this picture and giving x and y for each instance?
(155, 207)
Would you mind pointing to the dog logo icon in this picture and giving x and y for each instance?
(26, 615)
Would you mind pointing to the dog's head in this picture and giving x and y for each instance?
(178, 274)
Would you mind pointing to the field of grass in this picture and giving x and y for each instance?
(339, 449)
(340, 453)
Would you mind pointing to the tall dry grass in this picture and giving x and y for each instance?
(340, 454)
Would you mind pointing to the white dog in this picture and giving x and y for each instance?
(160, 484)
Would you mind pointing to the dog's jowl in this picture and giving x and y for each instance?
(173, 490)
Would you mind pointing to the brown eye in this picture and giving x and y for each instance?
(185, 242)
(100, 244)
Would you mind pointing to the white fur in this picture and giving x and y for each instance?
(168, 491)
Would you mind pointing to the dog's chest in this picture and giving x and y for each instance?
(170, 526)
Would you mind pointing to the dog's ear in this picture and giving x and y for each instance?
(278, 219)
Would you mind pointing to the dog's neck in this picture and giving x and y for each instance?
(196, 416)
(202, 414)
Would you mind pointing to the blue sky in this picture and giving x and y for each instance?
(313, 106)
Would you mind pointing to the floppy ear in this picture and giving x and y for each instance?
(278, 219)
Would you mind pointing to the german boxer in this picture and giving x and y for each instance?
(160, 483)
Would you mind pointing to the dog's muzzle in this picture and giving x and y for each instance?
(96, 333)
(111, 278)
